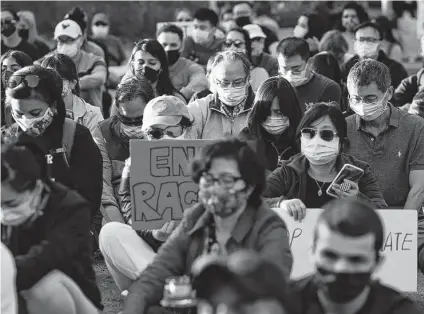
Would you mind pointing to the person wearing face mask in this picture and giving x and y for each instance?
(274, 118)
(398, 153)
(225, 111)
(203, 42)
(238, 40)
(302, 181)
(408, 88)
(260, 58)
(27, 29)
(368, 37)
(352, 15)
(293, 61)
(340, 284)
(45, 227)
(11, 61)
(229, 216)
(91, 68)
(311, 27)
(76, 108)
(34, 95)
(186, 75)
(10, 39)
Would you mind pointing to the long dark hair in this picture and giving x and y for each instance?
(152, 46)
(261, 110)
(317, 25)
(326, 64)
(246, 40)
(360, 12)
(65, 66)
(21, 58)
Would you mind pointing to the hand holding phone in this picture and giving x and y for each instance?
(345, 184)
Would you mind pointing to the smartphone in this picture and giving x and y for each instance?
(349, 172)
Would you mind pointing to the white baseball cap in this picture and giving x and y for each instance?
(254, 31)
(67, 28)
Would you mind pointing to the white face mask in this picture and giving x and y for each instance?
(100, 31)
(70, 50)
(369, 112)
(15, 216)
(200, 36)
(318, 151)
(299, 31)
(257, 48)
(231, 96)
(366, 49)
(66, 90)
(276, 125)
(35, 126)
(296, 79)
(132, 131)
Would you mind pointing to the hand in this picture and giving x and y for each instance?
(346, 189)
(294, 208)
(313, 43)
(128, 162)
(163, 233)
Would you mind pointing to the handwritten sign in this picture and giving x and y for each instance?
(161, 185)
(399, 268)
(187, 27)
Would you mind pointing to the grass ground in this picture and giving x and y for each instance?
(113, 301)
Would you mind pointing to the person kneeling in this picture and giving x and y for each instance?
(46, 228)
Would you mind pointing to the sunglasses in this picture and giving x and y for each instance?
(326, 135)
(101, 24)
(235, 43)
(130, 121)
(29, 80)
(171, 131)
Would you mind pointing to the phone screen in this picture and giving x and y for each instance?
(348, 172)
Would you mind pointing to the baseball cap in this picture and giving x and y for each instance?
(254, 31)
(68, 28)
(100, 17)
(167, 110)
(254, 277)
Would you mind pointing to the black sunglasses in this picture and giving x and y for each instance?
(130, 121)
(326, 135)
(236, 43)
(29, 80)
(101, 24)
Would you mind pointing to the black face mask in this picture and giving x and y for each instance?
(23, 33)
(243, 21)
(173, 56)
(344, 287)
(7, 29)
(150, 74)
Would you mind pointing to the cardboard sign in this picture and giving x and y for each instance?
(187, 27)
(420, 19)
(399, 268)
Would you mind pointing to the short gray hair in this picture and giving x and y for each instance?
(230, 55)
(369, 71)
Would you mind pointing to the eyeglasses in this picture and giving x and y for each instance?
(130, 121)
(7, 21)
(66, 39)
(184, 20)
(367, 99)
(326, 135)
(367, 40)
(236, 84)
(101, 24)
(236, 43)
(30, 80)
(225, 180)
(171, 131)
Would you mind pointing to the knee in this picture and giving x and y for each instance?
(110, 234)
(421, 259)
(46, 288)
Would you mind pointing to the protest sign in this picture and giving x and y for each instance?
(161, 185)
(187, 27)
(420, 19)
(399, 268)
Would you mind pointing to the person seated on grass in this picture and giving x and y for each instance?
(45, 225)
(228, 217)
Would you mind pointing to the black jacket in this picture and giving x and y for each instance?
(85, 171)
(57, 240)
(382, 299)
(397, 71)
(407, 89)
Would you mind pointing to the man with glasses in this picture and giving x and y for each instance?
(293, 56)
(368, 37)
(203, 43)
(10, 39)
(388, 139)
(225, 111)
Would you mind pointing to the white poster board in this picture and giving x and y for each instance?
(187, 27)
(420, 19)
(399, 268)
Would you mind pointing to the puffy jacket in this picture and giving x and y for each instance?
(57, 240)
(407, 89)
(397, 71)
(289, 181)
(86, 114)
(188, 77)
(259, 229)
(384, 300)
(211, 122)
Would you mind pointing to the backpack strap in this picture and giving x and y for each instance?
(69, 128)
